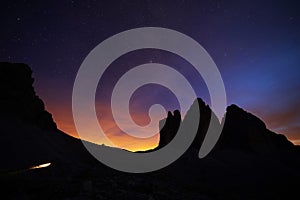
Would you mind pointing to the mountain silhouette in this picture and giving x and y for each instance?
(242, 131)
(248, 162)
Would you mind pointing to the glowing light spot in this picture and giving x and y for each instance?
(41, 166)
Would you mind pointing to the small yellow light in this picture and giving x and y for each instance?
(41, 166)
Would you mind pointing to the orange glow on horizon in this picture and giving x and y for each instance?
(63, 117)
(295, 142)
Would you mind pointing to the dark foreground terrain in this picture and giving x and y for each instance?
(248, 162)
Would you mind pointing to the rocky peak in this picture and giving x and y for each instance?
(172, 123)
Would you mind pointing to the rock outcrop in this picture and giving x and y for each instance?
(18, 97)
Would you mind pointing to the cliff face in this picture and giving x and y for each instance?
(19, 99)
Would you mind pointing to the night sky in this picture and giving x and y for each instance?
(255, 44)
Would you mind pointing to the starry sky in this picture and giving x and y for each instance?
(255, 44)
